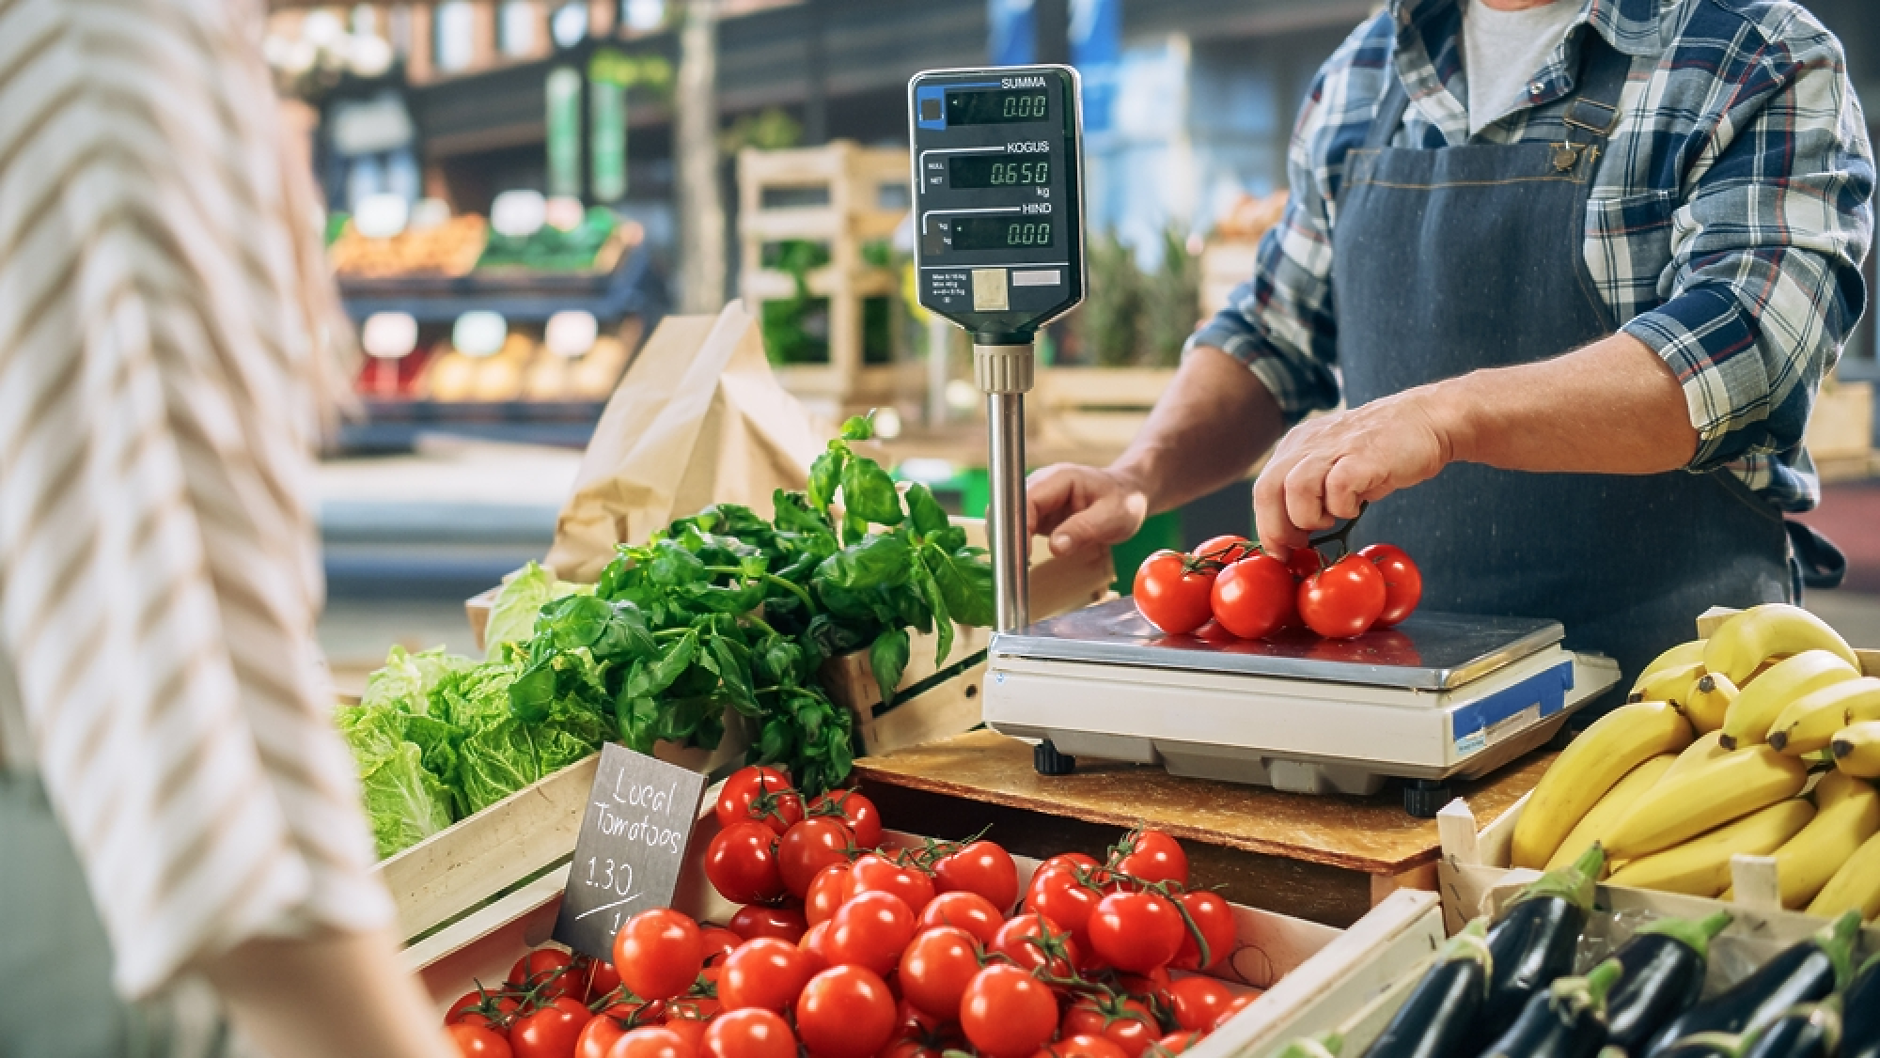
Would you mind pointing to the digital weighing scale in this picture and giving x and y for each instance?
(998, 250)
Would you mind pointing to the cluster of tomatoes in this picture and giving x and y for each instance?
(850, 948)
(1253, 595)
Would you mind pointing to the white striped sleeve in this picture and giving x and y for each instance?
(158, 572)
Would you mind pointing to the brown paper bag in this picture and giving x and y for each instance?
(698, 419)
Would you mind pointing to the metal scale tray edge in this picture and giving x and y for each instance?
(1442, 698)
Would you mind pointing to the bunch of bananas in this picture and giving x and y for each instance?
(1761, 739)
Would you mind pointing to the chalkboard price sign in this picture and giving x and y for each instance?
(632, 842)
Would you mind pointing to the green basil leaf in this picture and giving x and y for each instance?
(625, 634)
(876, 562)
(825, 475)
(868, 493)
(967, 585)
(925, 511)
(858, 428)
(929, 589)
(673, 661)
(888, 659)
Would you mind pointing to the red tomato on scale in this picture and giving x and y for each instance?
(1227, 549)
(1172, 596)
(1343, 600)
(1403, 581)
(1253, 598)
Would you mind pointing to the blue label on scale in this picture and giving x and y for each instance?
(1482, 723)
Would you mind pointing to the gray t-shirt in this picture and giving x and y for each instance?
(1503, 50)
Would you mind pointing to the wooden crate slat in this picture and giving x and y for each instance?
(458, 867)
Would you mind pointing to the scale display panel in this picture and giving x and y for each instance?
(998, 196)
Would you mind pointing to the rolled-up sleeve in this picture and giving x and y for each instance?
(1767, 242)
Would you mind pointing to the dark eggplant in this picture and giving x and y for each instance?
(1706, 1045)
(1664, 976)
(1804, 973)
(1441, 1010)
(1532, 943)
(1567, 1019)
(1860, 1018)
(1809, 1031)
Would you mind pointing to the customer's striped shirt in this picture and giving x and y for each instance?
(1728, 220)
(159, 287)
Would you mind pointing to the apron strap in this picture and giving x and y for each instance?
(1591, 114)
(1820, 563)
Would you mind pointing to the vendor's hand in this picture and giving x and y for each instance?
(1082, 507)
(1324, 469)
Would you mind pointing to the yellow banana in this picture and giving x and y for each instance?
(1747, 639)
(1834, 785)
(1855, 887)
(1592, 764)
(1701, 866)
(1806, 861)
(1809, 723)
(1682, 654)
(1728, 788)
(1600, 818)
(1748, 719)
(1710, 699)
(1702, 751)
(1672, 684)
(1857, 750)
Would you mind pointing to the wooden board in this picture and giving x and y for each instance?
(1372, 835)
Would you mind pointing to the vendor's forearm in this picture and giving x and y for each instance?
(1612, 407)
(1213, 423)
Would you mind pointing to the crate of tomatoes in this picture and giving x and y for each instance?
(806, 927)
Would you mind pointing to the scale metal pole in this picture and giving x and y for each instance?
(1004, 373)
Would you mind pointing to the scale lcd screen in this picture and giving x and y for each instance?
(991, 233)
(996, 170)
(997, 107)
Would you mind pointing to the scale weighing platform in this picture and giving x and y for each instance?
(1441, 697)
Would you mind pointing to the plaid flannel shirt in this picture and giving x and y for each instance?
(1726, 227)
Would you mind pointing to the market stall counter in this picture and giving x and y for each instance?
(1327, 858)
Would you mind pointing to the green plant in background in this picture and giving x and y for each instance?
(784, 321)
(1108, 326)
(1171, 303)
(770, 129)
(1135, 319)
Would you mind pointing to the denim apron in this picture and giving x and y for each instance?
(1460, 258)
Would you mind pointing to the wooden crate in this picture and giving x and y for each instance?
(1753, 936)
(1100, 408)
(1474, 872)
(1297, 963)
(854, 180)
(1840, 432)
